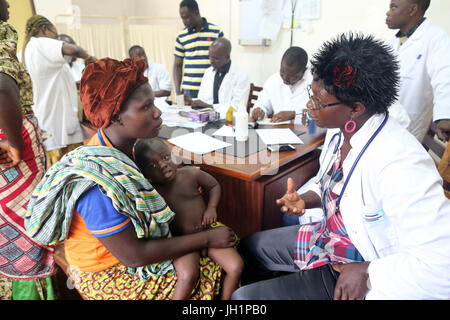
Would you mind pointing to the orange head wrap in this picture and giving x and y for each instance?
(105, 86)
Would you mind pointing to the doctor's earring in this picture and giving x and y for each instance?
(351, 124)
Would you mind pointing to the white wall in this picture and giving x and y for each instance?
(106, 7)
(51, 8)
(367, 16)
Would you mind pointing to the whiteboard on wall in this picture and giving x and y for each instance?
(251, 16)
(261, 20)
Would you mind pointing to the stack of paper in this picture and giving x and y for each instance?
(198, 143)
(268, 121)
(278, 136)
(161, 104)
(225, 131)
(176, 109)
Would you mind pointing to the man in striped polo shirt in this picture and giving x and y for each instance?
(192, 49)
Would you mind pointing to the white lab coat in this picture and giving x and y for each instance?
(234, 86)
(54, 92)
(158, 77)
(425, 76)
(397, 113)
(77, 70)
(395, 212)
(277, 96)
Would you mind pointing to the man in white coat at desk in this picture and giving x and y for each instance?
(158, 77)
(284, 94)
(224, 84)
(423, 51)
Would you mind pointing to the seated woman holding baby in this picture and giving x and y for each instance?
(114, 224)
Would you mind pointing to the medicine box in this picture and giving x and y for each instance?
(198, 116)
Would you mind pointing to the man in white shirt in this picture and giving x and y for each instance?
(284, 94)
(158, 77)
(423, 51)
(54, 90)
(224, 84)
(76, 68)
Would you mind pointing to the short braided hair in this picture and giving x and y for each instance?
(34, 24)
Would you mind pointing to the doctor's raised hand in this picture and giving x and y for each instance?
(291, 201)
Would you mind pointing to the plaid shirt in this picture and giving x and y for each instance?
(327, 241)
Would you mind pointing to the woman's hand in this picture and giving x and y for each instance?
(9, 156)
(305, 120)
(352, 282)
(291, 201)
(221, 237)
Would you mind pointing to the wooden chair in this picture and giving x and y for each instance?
(63, 276)
(430, 142)
(441, 154)
(253, 96)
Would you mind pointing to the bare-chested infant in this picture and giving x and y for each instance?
(180, 189)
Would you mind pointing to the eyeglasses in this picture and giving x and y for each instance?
(318, 105)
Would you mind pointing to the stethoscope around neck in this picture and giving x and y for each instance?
(338, 136)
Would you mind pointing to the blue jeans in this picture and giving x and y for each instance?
(287, 220)
(271, 274)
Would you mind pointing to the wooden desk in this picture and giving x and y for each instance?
(251, 185)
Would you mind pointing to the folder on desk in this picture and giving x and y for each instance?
(225, 131)
(198, 143)
(268, 122)
(278, 136)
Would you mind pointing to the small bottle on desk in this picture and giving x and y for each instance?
(241, 124)
(229, 116)
(311, 125)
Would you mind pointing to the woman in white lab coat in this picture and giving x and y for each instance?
(385, 232)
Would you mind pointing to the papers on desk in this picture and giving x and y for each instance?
(267, 121)
(225, 131)
(199, 143)
(161, 104)
(176, 109)
(278, 136)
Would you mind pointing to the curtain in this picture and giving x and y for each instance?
(99, 40)
(157, 40)
(114, 39)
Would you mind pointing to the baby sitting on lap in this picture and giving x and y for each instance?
(180, 189)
